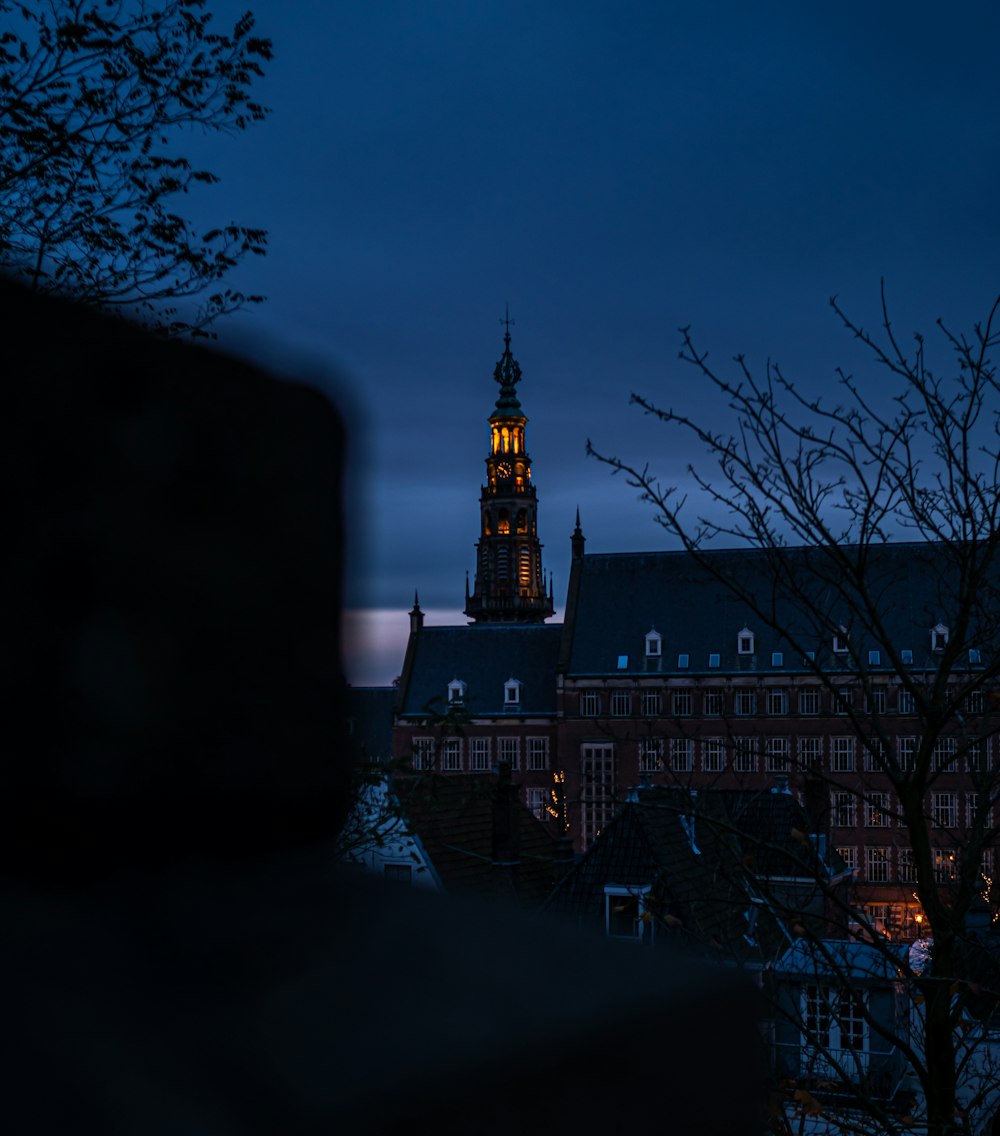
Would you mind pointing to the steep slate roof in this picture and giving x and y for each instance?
(701, 877)
(453, 817)
(622, 596)
(484, 658)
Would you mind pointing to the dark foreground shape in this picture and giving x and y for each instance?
(180, 953)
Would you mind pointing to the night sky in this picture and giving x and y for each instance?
(612, 172)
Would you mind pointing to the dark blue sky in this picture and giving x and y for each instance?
(612, 172)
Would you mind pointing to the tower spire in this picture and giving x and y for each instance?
(510, 583)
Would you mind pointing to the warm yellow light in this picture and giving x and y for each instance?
(918, 918)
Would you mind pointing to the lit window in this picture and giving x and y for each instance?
(849, 855)
(945, 864)
(512, 692)
(538, 753)
(877, 810)
(713, 661)
(456, 692)
(626, 913)
(537, 800)
(654, 644)
(939, 637)
(744, 642)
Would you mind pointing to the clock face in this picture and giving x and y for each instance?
(503, 469)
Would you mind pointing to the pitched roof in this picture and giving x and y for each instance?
(484, 658)
(702, 856)
(453, 816)
(697, 614)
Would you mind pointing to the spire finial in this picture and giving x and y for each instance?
(506, 321)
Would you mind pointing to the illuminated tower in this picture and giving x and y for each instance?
(510, 585)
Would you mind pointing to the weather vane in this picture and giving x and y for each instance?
(506, 321)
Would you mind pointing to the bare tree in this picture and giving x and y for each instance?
(92, 96)
(826, 491)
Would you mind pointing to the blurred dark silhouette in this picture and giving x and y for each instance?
(181, 952)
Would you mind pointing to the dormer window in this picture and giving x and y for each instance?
(456, 692)
(512, 692)
(654, 644)
(744, 642)
(939, 637)
(840, 641)
(974, 656)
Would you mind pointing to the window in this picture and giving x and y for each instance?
(650, 755)
(974, 702)
(683, 662)
(905, 866)
(844, 809)
(745, 702)
(681, 703)
(777, 659)
(943, 755)
(840, 641)
(713, 755)
(811, 753)
(976, 803)
(712, 702)
(744, 642)
(745, 755)
(479, 754)
(975, 656)
(625, 913)
(875, 700)
(939, 637)
(809, 700)
(849, 855)
(537, 800)
(986, 863)
(905, 702)
(976, 755)
(945, 865)
(597, 791)
(590, 704)
(538, 753)
(423, 752)
(652, 704)
(777, 700)
(906, 753)
(512, 692)
(877, 865)
(877, 810)
(456, 692)
(874, 755)
(451, 755)
(681, 755)
(654, 644)
(398, 873)
(944, 809)
(906, 656)
(842, 755)
(844, 701)
(714, 661)
(509, 751)
(621, 703)
(776, 755)
(623, 662)
(874, 658)
(834, 1033)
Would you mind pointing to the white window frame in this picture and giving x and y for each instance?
(843, 809)
(777, 701)
(590, 704)
(943, 755)
(654, 644)
(451, 755)
(776, 754)
(939, 638)
(745, 702)
(682, 702)
(538, 753)
(810, 754)
(512, 692)
(906, 752)
(621, 703)
(944, 809)
(682, 755)
(642, 926)
(842, 754)
(745, 756)
(877, 810)
(651, 703)
(456, 692)
(713, 702)
(809, 701)
(713, 755)
(479, 754)
(597, 788)
(745, 641)
(650, 755)
(509, 750)
(423, 754)
(878, 863)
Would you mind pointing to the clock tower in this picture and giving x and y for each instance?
(510, 584)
